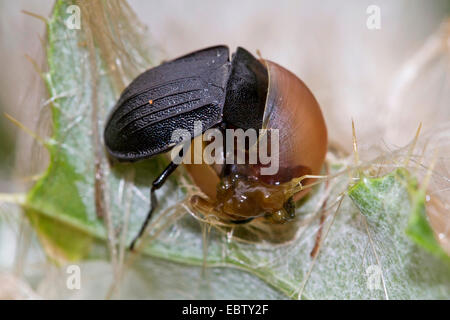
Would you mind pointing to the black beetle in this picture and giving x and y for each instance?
(206, 86)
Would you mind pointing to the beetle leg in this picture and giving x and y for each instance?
(157, 183)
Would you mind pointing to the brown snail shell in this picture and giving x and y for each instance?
(293, 110)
